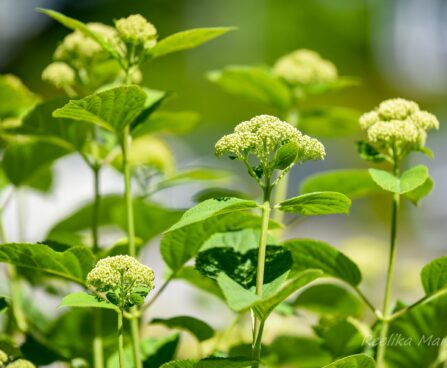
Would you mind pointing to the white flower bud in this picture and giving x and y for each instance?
(21, 363)
(136, 30)
(59, 74)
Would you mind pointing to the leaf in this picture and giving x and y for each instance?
(174, 122)
(257, 84)
(315, 254)
(72, 264)
(179, 246)
(113, 109)
(285, 156)
(354, 361)
(329, 299)
(409, 180)
(434, 275)
(368, 153)
(84, 300)
(211, 208)
(331, 86)
(4, 303)
(318, 203)
(77, 25)
(416, 195)
(154, 100)
(241, 241)
(242, 267)
(352, 183)
(15, 98)
(217, 192)
(193, 277)
(213, 362)
(237, 297)
(24, 163)
(186, 40)
(186, 363)
(194, 175)
(200, 330)
(329, 121)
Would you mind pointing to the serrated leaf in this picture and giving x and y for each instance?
(352, 183)
(186, 40)
(434, 275)
(315, 254)
(416, 195)
(354, 361)
(84, 300)
(113, 109)
(367, 152)
(211, 208)
(329, 121)
(185, 363)
(72, 264)
(258, 84)
(319, 203)
(408, 181)
(175, 122)
(199, 329)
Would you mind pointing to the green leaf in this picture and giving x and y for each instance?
(179, 246)
(214, 362)
(186, 363)
(15, 98)
(237, 297)
(416, 195)
(113, 109)
(315, 254)
(242, 267)
(330, 299)
(368, 153)
(4, 303)
(408, 181)
(186, 40)
(285, 156)
(77, 25)
(193, 176)
(72, 264)
(326, 87)
(434, 275)
(211, 208)
(354, 361)
(241, 241)
(24, 163)
(352, 183)
(329, 121)
(200, 330)
(175, 122)
(217, 192)
(84, 300)
(193, 277)
(257, 84)
(319, 203)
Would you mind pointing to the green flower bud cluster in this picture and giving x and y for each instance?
(305, 67)
(398, 124)
(20, 363)
(137, 31)
(3, 359)
(265, 137)
(124, 280)
(59, 74)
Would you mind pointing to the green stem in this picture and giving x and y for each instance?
(280, 196)
(258, 327)
(389, 285)
(121, 340)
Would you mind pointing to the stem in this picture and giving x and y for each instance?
(121, 340)
(389, 284)
(98, 347)
(258, 327)
(280, 196)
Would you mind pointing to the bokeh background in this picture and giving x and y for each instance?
(395, 47)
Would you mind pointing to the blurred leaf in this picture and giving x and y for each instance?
(113, 109)
(211, 208)
(213, 362)
(318, 203)
(329, 299)
(217, 192)
(326, 87)
(329, 121)
(190, 363)
(434, 275)
(40, 353)
(84, 300)
(193, 176)
(185, 40)
(352, 183)
(24, 163)
(4, 303)
(408, 181)
(154, 99)
(354, 361)
(176, 122)
(15, 98)
(242, 267)
(315, 254)
(195, 278)
(77, 25)
(369, 153)
(416, 195)
(258, 84)
(72, 264)
(199, 329)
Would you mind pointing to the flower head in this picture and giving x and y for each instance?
(21, 363)
(59, 74)
(305, 67)
(3, 358)
(398, 123)
(136, 30)
(121, 277)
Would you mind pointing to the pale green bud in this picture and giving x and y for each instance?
(396, 109)
(3, 358)
(21, 363)
(59, 74)
(136, 30)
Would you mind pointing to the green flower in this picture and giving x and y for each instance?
(305, 67)
(3, 358)
(136, 30)
(125, 281)
(59, 74)
(21, 363)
